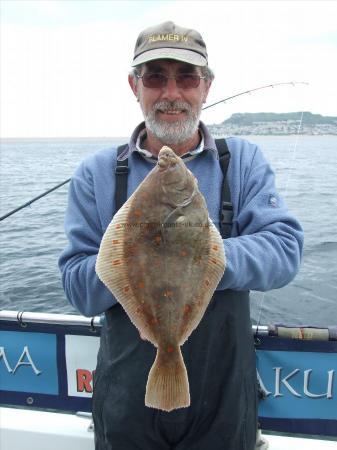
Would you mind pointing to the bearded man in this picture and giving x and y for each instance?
(262, 243)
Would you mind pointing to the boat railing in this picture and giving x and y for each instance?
(305, 332)
(24, 317)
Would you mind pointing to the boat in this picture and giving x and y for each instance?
(47, 365)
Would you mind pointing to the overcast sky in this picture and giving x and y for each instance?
(64, 63)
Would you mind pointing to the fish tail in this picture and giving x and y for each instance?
(167, 385)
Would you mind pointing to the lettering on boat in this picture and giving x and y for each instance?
(284, 383)
(85, 380)
(25, 359)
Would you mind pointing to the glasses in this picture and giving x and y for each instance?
(159, 80)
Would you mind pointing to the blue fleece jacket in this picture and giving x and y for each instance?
(263, 252)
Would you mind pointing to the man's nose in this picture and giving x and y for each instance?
(170, 90)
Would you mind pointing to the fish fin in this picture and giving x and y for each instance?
(167, 385)
(216, 259)
(110, 259)
(112, 270)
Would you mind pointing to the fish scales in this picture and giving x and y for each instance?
(162, 258)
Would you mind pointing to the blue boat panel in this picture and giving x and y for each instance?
(38, 369)
(28, 361)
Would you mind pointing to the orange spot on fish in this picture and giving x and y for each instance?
(127, 288)
(118, 226)
(157, 240)
(214, 261)
(170, 349)
(187, 309)
(137, 212)
(154, 321)
(116, 262)
(183, 253)
(215, 247)
(207, 282)
(141, 285)
(115, 241)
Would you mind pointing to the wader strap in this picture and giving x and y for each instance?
(226, 207)
(121, 172)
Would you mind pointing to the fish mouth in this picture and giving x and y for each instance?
(163, 164)
(166, 158)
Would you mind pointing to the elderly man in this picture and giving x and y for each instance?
(262, 243)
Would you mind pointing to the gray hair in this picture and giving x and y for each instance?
(206, 72)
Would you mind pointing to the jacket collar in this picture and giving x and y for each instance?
(207, 143)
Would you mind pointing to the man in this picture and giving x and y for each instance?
(171, 80)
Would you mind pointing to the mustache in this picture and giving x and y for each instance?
(172, 106)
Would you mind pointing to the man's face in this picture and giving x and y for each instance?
(171, 112)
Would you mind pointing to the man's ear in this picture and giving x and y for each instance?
(133, 85)
(207, 88)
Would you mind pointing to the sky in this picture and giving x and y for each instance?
(64, 63)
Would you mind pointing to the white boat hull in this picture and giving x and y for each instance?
(32, 430)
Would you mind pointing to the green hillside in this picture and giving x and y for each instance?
(241, 119)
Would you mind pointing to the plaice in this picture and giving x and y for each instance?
(162, 258)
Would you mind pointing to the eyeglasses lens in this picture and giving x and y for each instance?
(159, 80)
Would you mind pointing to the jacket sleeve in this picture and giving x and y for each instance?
(77, 262)
(265, 249)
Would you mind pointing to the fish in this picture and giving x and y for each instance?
(162, 258)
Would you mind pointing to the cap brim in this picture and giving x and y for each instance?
(177, 54)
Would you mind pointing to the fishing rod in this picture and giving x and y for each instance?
(293, 83)
(34, 199)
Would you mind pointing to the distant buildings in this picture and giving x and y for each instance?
(251, 123)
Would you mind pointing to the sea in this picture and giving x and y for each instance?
(32, 238)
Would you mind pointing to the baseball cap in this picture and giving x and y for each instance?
(170, 41)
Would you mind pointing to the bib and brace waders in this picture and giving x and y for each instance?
(220, 361)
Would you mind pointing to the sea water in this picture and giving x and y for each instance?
(32, 239)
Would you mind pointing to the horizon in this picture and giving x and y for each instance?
(116, 138)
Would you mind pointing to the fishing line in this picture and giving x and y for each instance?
(293, 153)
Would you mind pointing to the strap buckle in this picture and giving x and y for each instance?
(120, 170)
(226, 213)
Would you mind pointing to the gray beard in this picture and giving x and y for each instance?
(173, 133)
